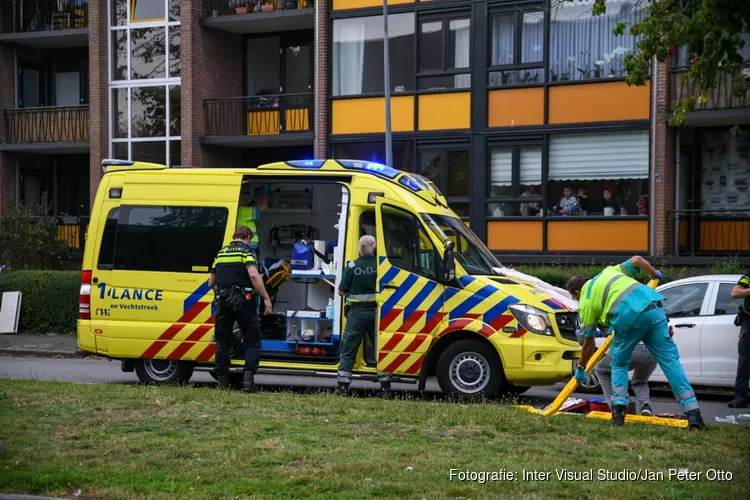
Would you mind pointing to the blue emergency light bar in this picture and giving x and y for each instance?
(372, 167)
(410, 183)
(306, 163)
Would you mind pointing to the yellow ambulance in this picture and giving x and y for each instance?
(447, 307)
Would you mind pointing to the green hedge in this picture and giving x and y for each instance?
(50, 300)
(559, 275)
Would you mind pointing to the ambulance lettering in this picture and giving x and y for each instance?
(129, 293)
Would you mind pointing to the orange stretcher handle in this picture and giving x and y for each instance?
(572, 384)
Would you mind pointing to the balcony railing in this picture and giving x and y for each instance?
(711, 232)
(213, 8)
(20, 16)
(721, 96)
(48, 124)
(259, 115)
(71, 231)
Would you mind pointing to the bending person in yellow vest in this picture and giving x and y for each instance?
(249, 209)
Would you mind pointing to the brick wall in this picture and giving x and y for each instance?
(664, 168)
(98, 92)
(321, 79)
(211, 69)
(7, 100)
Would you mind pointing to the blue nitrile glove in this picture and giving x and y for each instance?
(581, 376)
(659, 276)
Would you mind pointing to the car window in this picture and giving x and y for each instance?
(684, 300)
(725, 304)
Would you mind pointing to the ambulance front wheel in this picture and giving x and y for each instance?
(470, 368)
(163, 371)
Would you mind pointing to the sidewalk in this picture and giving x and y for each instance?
(47, 346)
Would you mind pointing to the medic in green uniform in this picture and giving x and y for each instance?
(358, 285)
(634, 311)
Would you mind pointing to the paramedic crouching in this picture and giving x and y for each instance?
(237, 284)
(359, 283)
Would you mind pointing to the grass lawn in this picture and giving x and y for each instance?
(115, 441)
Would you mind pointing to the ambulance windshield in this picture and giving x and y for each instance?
(470, 252)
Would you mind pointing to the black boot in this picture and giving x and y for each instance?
(618, 415)
(223, 381)
(695, 421)
(739, 403)
(342, 389)
(248, 382)
(385, 390)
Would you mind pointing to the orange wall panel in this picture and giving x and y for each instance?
(598, 102)
(364, 116)
(516, 107)
(359, 4)
(514, 235)
(725, 236)
(598, 235)
(446, 111)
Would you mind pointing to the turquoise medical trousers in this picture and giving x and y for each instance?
(650, 327)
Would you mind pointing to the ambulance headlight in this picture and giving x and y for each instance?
(533, 319)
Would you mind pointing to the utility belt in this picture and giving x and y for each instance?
(234, 296)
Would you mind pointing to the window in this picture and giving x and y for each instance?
(403, 153)
(583, 46)
(358, 54)
(608, 173)
(149, 238)
(444, 53)
(515, 180)
(517, 48)
(449, 169)
(725, 304)
(725, 171)
(470, 252)
(145, 80)
(684, 301)
(145, 11)
(107, 249)
(406, 243)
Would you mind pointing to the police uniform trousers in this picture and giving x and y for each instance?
(247, 319)
(652, 328)
(360, 322)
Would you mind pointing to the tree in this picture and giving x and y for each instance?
(711, 29)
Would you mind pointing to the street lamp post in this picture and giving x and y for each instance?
(387, 85)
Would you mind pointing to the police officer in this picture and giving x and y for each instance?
(237, 284)
(742, 291)
(359, 282)
(613, 298)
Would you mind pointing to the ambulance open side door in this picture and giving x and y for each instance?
(409, 294)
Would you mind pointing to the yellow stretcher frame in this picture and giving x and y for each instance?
(572, 385)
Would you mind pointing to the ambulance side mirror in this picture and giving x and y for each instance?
(448, 272)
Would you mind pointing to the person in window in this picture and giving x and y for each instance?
(633, 311)
(742, 291)
(530, 208)
(583, 201)
(568, 204)
(610, 206)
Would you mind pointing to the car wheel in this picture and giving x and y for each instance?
(470, 368)
(592, 385)
(163, 371)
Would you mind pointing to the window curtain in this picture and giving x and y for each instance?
(501, 167)
(462, 30)
(503, 39)
(531, 166)
(583, 46)
(348, 56)
(603, 156)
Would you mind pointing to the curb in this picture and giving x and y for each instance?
(42, 353)
(4, 496)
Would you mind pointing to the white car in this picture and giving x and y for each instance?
(702, 312)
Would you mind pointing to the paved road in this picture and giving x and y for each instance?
(103, 371)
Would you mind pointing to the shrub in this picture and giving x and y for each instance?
(27, 242)
(559, 275)
(50, 299)
(729, 266)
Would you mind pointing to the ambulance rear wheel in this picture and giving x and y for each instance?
(470, 368)
(163, 371)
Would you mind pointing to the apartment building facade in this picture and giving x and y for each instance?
(507, 106)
